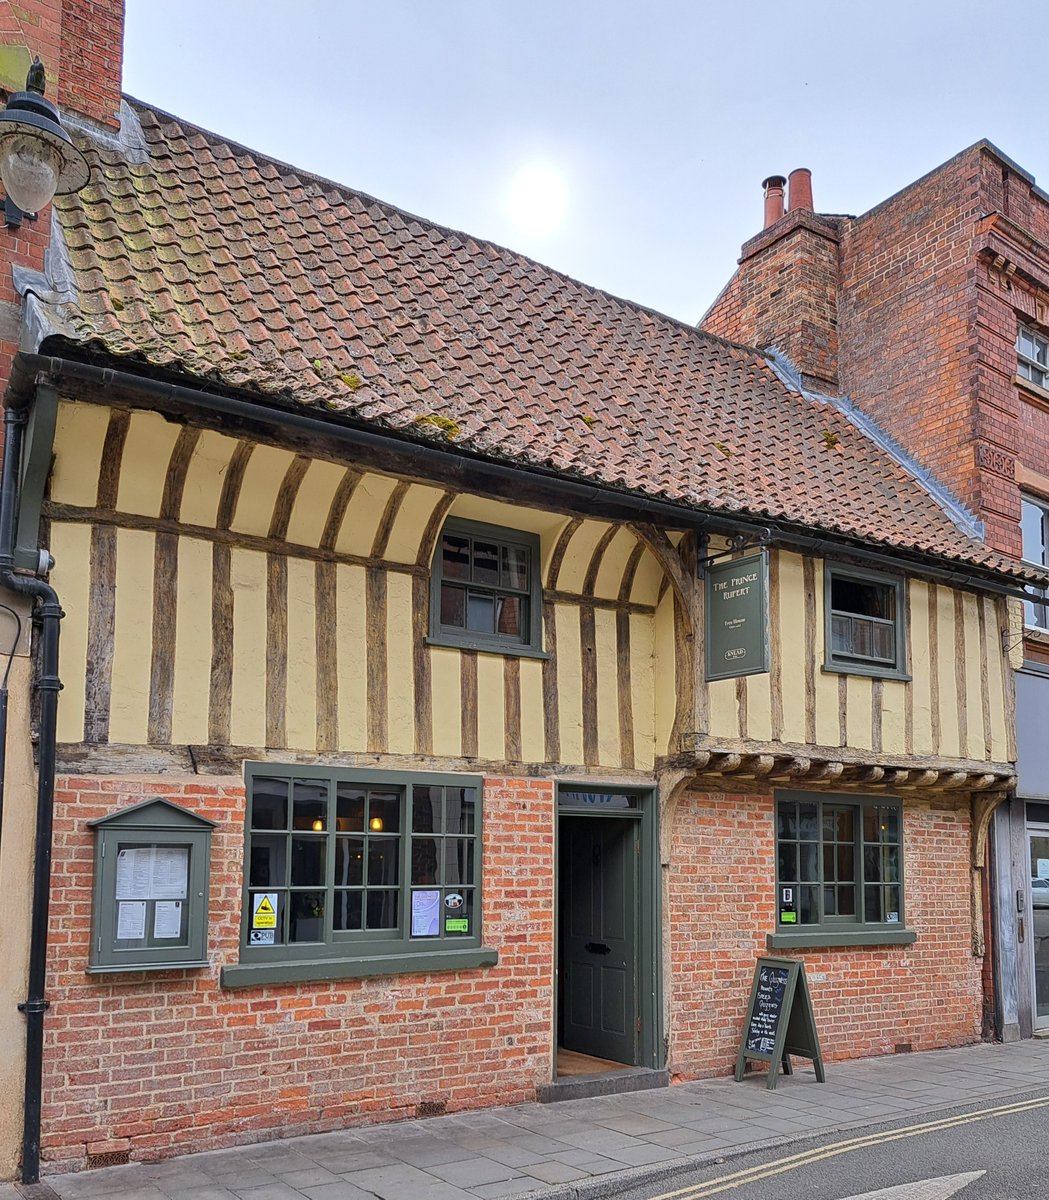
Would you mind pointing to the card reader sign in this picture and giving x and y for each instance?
(264, 910)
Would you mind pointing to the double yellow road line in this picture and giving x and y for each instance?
(726, 1183)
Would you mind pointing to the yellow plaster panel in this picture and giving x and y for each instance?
(569, 682)
(80, 434)
(301, 704)
(446, 702)
(609, 753)
(893, 701)
(610, 573)
(144, 465)
(828, 713)
(310, 511)
(859, 701)
(259, 490)
(791, 648)
(363, 514)
(974, 668)
(71, 578)
(510, 516)
(400, 671)
(996, 682)
(759, 707)
(248, 715)
(950, 701)
(647, 580)
(193, 634)
(642, 686)
(724, 710)
(416, 509)
(921, 692)
(665, 667)
(133, 638)
(533, 742)
(352, 665)
(491, 735)
(576, 561)
(205, 477)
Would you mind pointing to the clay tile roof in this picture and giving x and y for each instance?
(214, 261)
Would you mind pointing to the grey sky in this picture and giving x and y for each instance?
(664, 117)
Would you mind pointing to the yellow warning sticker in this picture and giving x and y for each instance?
(264, 910)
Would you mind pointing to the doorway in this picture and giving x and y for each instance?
(1038, 845)
(607, 939)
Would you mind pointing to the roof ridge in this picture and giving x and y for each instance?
(390, 207)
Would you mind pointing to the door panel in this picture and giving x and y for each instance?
(1039, 847)
(599, 897)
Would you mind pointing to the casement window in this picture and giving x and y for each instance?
(865, 627)
(839, 870)
(485, 590)
(357, 872)
(1032, 355)
(1034, 525)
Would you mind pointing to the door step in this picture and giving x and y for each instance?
(607, 1083)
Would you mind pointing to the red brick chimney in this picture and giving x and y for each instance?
(81, 44)
(784, 293)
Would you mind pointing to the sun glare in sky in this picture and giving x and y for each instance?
(538, 199)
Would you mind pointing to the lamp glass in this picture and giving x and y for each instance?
(29, 168)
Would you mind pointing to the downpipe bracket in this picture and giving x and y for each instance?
(34, 1007)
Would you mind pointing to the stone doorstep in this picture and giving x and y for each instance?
(607, 1083)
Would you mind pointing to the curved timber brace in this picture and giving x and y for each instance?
(983, 806)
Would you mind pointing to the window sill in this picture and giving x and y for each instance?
(816, 937)
(507, 650)
(866, 672)
(1034, 390)
(242, 975)
(135, 968)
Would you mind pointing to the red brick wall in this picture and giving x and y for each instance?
(866, 1000)
(165, 1062)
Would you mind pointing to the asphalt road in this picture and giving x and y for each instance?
(979, 1152)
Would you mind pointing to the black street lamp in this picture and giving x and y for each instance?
(37, 157)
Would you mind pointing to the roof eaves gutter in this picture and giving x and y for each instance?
(468, 472)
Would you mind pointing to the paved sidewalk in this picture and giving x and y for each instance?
(584, 1148)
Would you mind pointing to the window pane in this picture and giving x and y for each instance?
(460, 810)
(871, 864)
(846, 900)
(383, 855)
(872, 903)
(808, 825)
(480, 613)
(306, 923)
(486, 563)
(349, 812)
(809, 862)
(786, 820)
(808, 906)
(453, 606)
(788, 862)
(458, 913)
(509, 615)
(307, 862)
(310, 805)
(455, 557)
(846, 864)
(267, 861)
(891, 899)
(424, 860)
(382, 910)
(883, 642)
(349, 861)
(1032, 528)
(863, 597)
(841, 635)
(890, 864)
(384, 812)
(347, 910)
(269, 804)
(458, 861)
(515, 568)
(426, 809)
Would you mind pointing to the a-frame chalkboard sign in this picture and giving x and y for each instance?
(779, 1020)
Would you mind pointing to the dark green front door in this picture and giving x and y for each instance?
(599, 923)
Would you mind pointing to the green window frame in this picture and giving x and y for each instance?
(351, 872)
(865, 622)
(839, 870)
(485, 589)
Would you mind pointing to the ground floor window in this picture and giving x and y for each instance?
(839, 862)
(342, 862)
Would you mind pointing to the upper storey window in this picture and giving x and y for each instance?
(1034, 524)
(1032, 352)
(865, 622)
(485, 592)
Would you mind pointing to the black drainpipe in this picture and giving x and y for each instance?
(47, 613)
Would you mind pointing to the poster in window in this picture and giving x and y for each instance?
(426, 914)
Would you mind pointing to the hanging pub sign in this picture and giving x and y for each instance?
(737, 610)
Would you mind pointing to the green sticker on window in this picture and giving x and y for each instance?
(457, 925)
(788, 918)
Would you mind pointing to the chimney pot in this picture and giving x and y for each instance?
(773, 199)
(800, 195)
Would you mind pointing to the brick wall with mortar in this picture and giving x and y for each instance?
(160, 1063)
(867, 1000)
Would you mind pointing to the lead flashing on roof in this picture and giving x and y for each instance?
(959, 513)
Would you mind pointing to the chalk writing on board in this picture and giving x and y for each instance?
(768, 1004)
